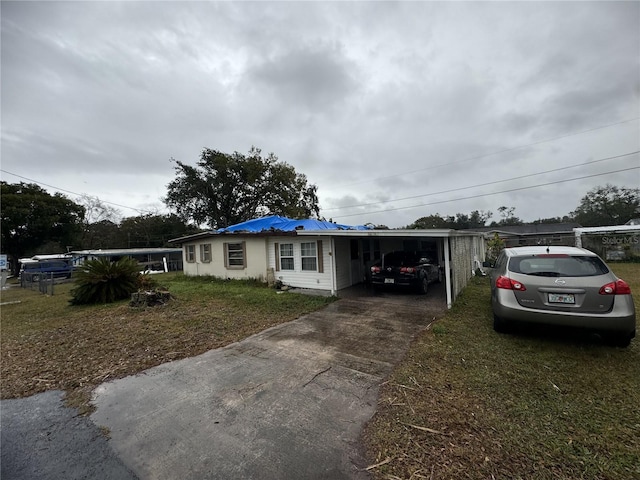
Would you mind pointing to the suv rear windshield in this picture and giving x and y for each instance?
(558, 265)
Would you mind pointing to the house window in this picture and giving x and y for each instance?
(235, 255)
(191, 253)
(205, 253)
(286, 256)
(309, 258)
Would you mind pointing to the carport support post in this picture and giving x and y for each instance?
(447, 271)
(333, 266)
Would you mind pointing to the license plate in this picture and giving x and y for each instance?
(389, 280)
(562, 298)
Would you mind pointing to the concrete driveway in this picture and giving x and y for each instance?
(289, 402)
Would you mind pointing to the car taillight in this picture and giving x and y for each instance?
(375, 269)
(407, 270)
(619, 287)
(509, 284)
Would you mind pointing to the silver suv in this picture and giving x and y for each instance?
(566, 286)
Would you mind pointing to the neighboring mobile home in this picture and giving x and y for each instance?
(322, 255)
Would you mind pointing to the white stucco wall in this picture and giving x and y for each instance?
(255, 254)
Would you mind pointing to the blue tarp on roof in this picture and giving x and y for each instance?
(283, 224)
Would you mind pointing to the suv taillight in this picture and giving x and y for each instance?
(375, 269)
(407, 270)
(509, 284)
(619, 287)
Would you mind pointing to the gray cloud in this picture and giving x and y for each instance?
(373, 101)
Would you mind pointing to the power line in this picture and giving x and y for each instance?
(487, 194)
(482, 184)
(478, 157)
(139, 210)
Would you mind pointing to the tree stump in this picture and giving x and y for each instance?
(151, 298)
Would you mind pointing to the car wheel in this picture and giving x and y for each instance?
(499, 325)
(424, 286)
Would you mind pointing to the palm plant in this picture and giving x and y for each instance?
(103, 281)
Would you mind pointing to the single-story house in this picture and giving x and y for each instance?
(532, 234)
(322, 255)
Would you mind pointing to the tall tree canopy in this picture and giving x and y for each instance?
(608, 205)
(225, 189)
(31, 218)
(461, 221)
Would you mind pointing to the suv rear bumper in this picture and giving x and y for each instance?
(620, 319)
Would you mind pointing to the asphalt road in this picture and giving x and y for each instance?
(41, 439)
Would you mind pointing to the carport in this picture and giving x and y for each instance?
(352, 252)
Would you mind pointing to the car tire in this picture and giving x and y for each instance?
(423, 287)
(499, 325)
(621, 340)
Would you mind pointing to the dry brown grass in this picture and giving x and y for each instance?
(467, 403)
(47, 344)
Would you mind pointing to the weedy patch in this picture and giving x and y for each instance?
(468, 403)
(48, 344)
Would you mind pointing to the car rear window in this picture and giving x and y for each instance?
(399, 259)
(558, 265)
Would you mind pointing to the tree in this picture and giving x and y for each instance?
(608, 205)
(563, 219)
(225, 189)
(508, 217)
(430, 222)
(461, 221)
(100, 223)
(152, 230)
(31, 217)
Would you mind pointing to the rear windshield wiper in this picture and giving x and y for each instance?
(544, 274)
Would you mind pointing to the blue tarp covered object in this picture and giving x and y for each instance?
(283, 224)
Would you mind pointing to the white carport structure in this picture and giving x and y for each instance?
(458, 253)
(615, 242)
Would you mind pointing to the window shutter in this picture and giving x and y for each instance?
(277, 257)
(226, 255)
(320, 258)
(244, 254)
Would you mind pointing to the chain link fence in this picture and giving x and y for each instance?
(43, 282)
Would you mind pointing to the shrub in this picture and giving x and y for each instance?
(146, 282)
(103, 281)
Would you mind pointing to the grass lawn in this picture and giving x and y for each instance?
(468, 403)
(46, 344)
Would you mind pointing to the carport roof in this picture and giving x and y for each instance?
(434, 233)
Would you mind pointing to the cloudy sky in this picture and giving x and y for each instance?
(394, 110)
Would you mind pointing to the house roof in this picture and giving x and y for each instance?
(274, 224)
(112, 252)
(284, 224)
(530, 229)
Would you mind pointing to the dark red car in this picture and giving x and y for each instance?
(413, 270)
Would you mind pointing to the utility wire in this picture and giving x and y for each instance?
(478, 157)
(486, 194)
(482, 184)
(139, 210)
